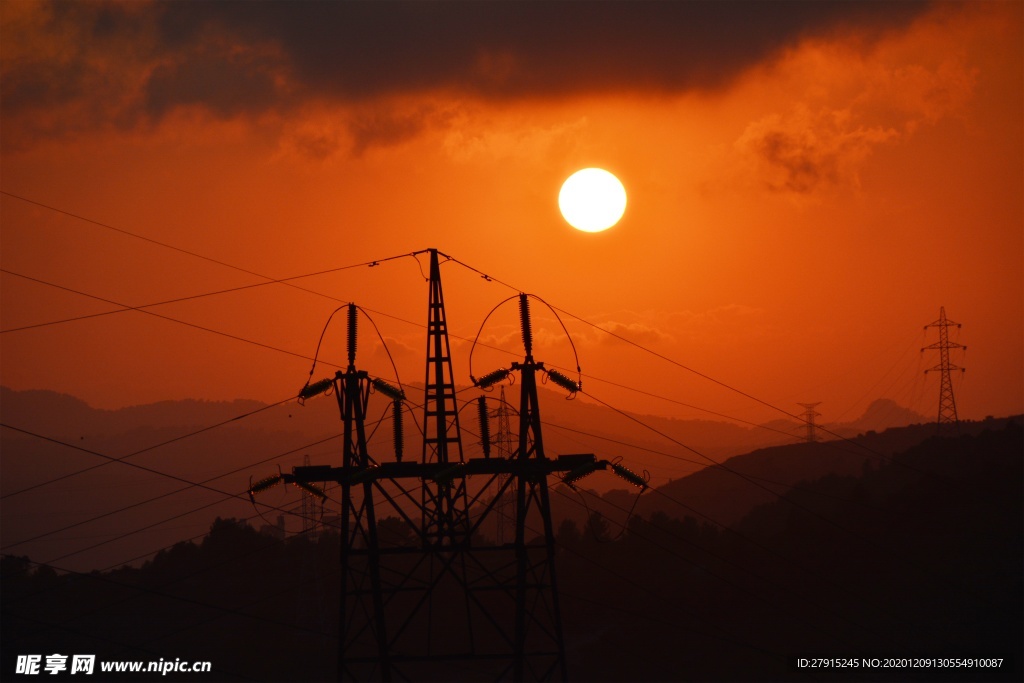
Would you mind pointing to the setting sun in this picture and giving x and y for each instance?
(592, 200)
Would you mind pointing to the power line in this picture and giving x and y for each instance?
(181, 250)
(292, 353)
(673, 456)
(146, 449)
(187, 298)
(170, 493)
(652, 352)
(865, 540)
(483, 275)
(163, 521)
(308, 358)
(190, 484)
(162, 317)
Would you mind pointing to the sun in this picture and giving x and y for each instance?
(592, 200)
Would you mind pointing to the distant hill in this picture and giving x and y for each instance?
(728, 492)
(881, 414)
(63, 415)
(172, 437)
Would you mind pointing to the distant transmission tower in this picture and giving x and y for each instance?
(947, 403)
(312, 507)
(505, 508)
(811, 433)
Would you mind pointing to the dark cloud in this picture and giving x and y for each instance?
(355, 50)
(382, 126)
(225, 84)
(249, 57)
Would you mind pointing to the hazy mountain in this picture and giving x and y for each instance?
(176, 438)
(62, 415)
(727, 492)
(881, 414)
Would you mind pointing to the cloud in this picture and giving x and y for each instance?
(647, 328)
(732, 324)
(493, 140)
(804, 151)
(133, 63)
(843, 108)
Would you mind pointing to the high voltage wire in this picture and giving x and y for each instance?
(471, 268)
(790, 487)
(191, 484)
(728, 638)
(591, 395)
(665, 358)
(475, 270)
(122, 536)
(182, 298)
(112, 460)
(171, 493)
(717, 523)
(140, 308)
(188, 252)
(482, 274)
(176, 516)
(652, 352)
(566, 595)
(243, 614)
(145, 450)
(778, 495)
(162, 317)
(598, 565)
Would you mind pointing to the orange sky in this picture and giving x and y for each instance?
(808, 183)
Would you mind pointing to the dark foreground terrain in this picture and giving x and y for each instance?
(918, 557)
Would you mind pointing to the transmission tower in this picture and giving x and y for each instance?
(312, 507)
(442, 604)
(947, 402)
(445, 514)
(810, 433)
(505, 508)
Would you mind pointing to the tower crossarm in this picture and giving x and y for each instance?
(528, 467)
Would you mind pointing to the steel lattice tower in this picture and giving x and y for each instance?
(312, 507)
(505, 508)
(440, 603)
(947, 402)
(537, 631)
(811, 434)
(445, 515)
